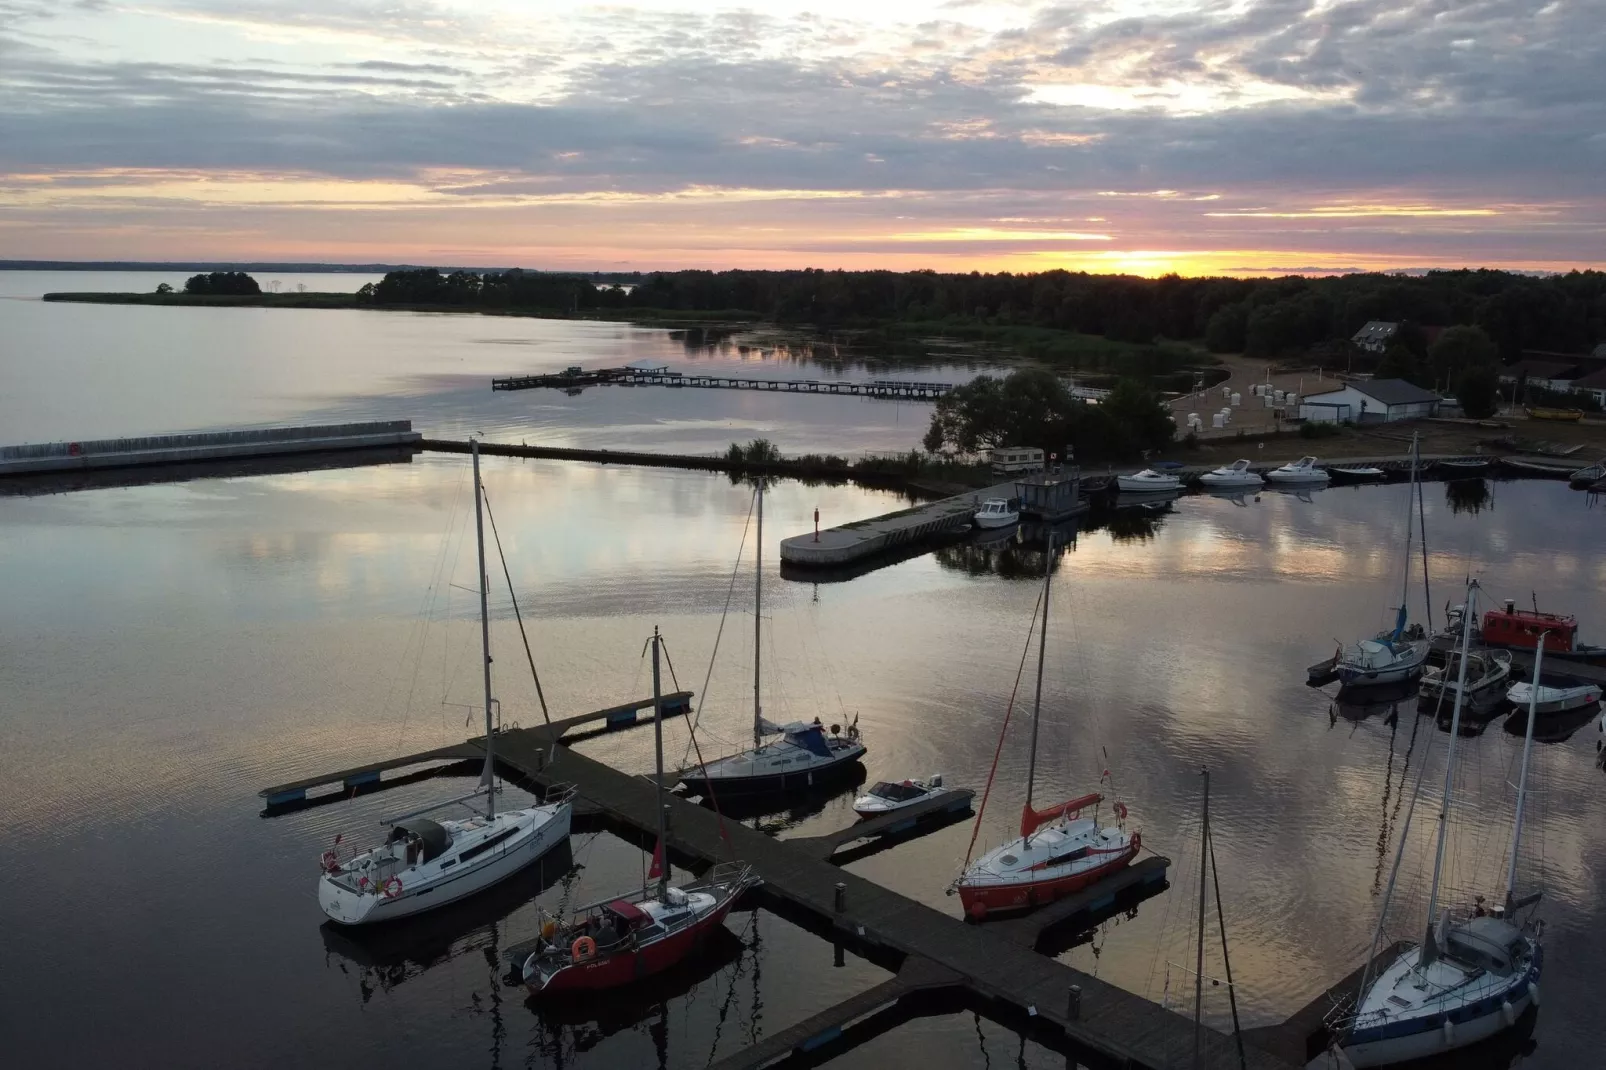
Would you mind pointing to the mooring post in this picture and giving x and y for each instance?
(841, 897)
(1073, 1004)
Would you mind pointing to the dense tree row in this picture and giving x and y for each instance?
(1033, 407)
(213, 283)
(1262, 317)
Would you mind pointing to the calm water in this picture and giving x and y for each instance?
(75, 371)
(169, 650)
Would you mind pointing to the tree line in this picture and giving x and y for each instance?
(1262, 317)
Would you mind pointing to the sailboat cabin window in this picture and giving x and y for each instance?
(480, 849)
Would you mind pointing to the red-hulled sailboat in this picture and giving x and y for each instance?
(1059, 851)
(628, 937)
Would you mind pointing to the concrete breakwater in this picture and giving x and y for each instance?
(202, 446)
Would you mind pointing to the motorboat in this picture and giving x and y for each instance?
(627, 937)
(1472, 975)
(423, 864)
(996, 513)
(783, 757)
(1149, 481)
(1236, 474)
(887, 796)
(1356, 474)
(1486, 678)
(1059, 852)
(1303, 470)
(1554, 693)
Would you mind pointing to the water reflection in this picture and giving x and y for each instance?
(1553, 727)
(1011, 554)
(1468, 495)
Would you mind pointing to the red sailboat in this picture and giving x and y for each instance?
(1059, 851)
(625, 938)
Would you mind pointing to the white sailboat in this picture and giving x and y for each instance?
(1470, 978)
(797, 755)
(1397, 654)
(423, 864)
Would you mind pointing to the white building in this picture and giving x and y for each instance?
(1375, 401)
(1374, 337)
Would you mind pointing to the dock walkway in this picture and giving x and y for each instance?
(1120, 1026)
(864, 538)
(203, 446)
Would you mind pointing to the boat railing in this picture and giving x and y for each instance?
(558, 794)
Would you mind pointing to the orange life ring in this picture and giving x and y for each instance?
(1120, 810)
(584, 949)
(391, 888)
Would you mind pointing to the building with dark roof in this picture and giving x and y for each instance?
(1374, 401)
(1374, 337)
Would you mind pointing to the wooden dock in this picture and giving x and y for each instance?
(58, 457)
(879, 389)
(860, 539)
(1092, 1015)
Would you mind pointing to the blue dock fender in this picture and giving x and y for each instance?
(820, 1038)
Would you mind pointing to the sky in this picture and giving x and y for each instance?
(1141, 136)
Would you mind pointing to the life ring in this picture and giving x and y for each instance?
(584, 949)
(331, 862)
(391, 888)
(1120, 810)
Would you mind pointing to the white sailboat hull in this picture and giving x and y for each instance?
(543, 829)
(1432, 1041)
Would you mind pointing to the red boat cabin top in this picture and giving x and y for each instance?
(1521, 628)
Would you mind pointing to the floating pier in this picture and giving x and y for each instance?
(882, 389)
(48, 457)
(865, 538)
(929, 950)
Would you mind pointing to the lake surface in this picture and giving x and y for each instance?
(171, 649)
(81, 371)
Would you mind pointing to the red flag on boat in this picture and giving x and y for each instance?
(657, 869)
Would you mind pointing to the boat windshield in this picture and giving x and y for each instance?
(896, 792)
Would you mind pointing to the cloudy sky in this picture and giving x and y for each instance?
(1130, 135)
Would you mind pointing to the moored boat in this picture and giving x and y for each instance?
(1481, 681)
(1536, 412)
(1536, 468)
(1355, 473)
(996, 513)
(1583, 477)
(1236, 474)
(1303, 470)
(627, 937)
(1518, 629)
(1467, 465)
(1554, 693)
(1059, 852)
(1470, 977)
(1148, 481)
(424, 864)
(887, 796)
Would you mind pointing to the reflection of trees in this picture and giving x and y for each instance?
(1468, 495)
(1137, 523)
(1017, 557)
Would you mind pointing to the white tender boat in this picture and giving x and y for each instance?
(1554, 694)
(996, 513)
(1303, 470)
(423, 864)
(1236, 474)
(886, 796)
(1148, 481)
(1356, 473)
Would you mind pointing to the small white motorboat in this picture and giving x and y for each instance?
(1556, 694)
(1236, 474)
(1149, 481)
(1356, 473)
(1303, 470)
(1487, 673)
(996, 513)
(886, 796)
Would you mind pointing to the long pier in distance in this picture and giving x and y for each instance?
(881, 389)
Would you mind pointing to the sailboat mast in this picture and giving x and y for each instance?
(1042, 649)
(658, 751)
(1405, 582)
(1198, 962)
(758, 616)
(1429, 946)
(487, 778)
(1522, 780)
